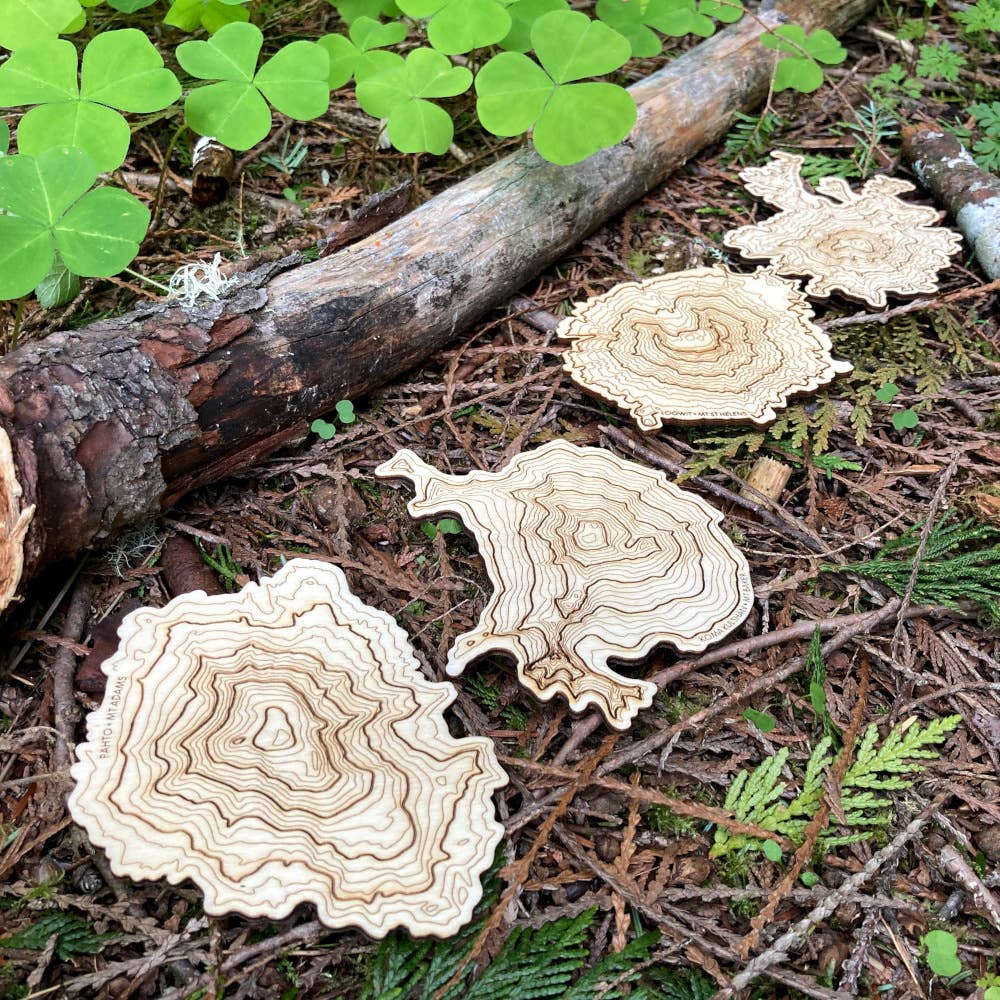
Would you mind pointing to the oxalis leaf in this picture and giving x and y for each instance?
(669, 17)
(800, 69)
(26, 22)
(571, 120)
(401, 95)
(523, 14)
(50, 206)
(120, 71)
(457, 26)
(234, 110)
(350, 10)
(357, 54)
(189, 15)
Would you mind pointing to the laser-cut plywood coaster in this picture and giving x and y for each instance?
(590, 557)
(864, 244)
(698, 345)
(280, 746)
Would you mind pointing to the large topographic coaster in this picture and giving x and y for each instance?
(699, 345)
(862, 244)
(590, 557)
(280, 746)
(14, 524)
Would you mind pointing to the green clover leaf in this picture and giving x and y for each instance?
(351, 10)
(401, 95)
(359, 55)
(323, 429)
(571, 120)
(942, 953)
(234, 110)
(27, 22)
(50, 207)
(457, 26)
(764, 722)
(189, 15)
(669, 17)
(800, 69)
(905, 420)
(887, 392)
(345, 411)
(120, 71)
(58, 287)
(523, 14)
(726, 11)
(129, 6)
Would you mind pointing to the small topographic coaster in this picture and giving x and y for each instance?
(590, 557)
(280, 746)
(864, 244)
(707, 344)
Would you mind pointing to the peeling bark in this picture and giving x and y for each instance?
(114, 423)
(971, 194)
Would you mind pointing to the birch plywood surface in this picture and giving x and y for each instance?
(701, 345)
(280, 746)
(864, 244)
(13, 524)
(590, 557)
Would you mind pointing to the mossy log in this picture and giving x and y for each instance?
(113, 423)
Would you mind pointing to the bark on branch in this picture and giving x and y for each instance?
(113, 423)
(971, 194)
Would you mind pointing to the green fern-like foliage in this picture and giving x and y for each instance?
(926, 346)
(960, 561)
(74, 936)
(534, 964)
(757, 796)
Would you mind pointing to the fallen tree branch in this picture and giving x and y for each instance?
(971, 195)
(114, 423)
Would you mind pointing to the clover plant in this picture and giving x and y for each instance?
(669, 17)
(457, 26)
(350, 10)
(359, 53)
(189, 15)
(571, 120)
(120, 71)
(49, 205)
(233, 109)
(401, 95)
(523, 14)
(800, 69)
(23, 22)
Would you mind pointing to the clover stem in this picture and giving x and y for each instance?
(158, 199)
(18, 313)
(148, 280)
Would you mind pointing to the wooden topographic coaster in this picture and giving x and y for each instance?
(280, 746)
(863, 244)
(701, 345)
(590, 557)
(14, 523)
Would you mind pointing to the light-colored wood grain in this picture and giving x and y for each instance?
(13, 524)
(864, 244)
(706, 344)
(280, 746)
(590, 557)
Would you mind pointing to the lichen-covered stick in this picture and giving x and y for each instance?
(864, 244)
(280, 746)
(706, 344)
(591, 557)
